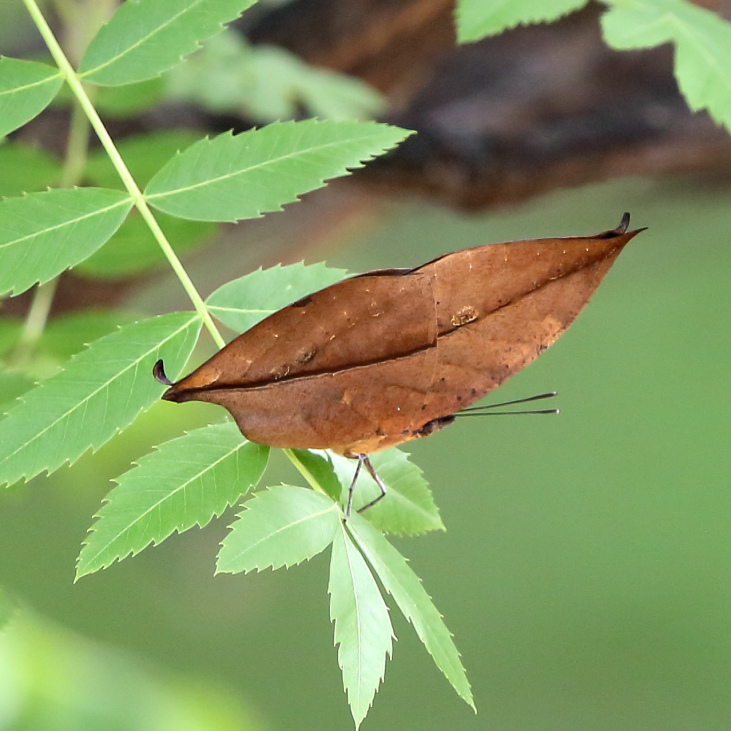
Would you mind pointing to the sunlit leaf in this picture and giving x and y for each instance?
(243, 302)
(231, 177)
(405, 587)
(185, 482)
(362, 625)
(702, 47)
(281, 526)
(146, 37)
(100, 392)
(41, 234)
(476, 18)
(26, 89)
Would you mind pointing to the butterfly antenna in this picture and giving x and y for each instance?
(508, 413)
(485, 409)
(539, 397)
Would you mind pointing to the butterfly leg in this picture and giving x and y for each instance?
(372, 472)
(360, 458)
(363, 460)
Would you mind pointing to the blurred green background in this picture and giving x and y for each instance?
(585, 572)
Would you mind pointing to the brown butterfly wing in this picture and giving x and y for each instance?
(366, 363)
(536, 290)
(292, 380)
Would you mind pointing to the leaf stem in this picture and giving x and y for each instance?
(138, 198)
(35, 321)
(76, 148)
(40, 307)
(309, 477)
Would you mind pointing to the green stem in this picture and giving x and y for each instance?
(74, 162)
(309, 477)
(138, 198)
(76, 148)
(35, 322)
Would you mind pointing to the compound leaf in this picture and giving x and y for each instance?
(408, 507)
(477, 18)
(185, 482)
(26, 89)
(146, 37)
(100, 392)
(362, 625)
(243, 302)
(41, 234)
(405, 587)
(702, 42)
(281, 526)
(231, 177)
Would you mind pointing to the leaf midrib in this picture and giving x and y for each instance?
(279, 530)
(27, 87)
(157, 504)
(70, 222)
(141, 41)
(272, 161)
(135, 363)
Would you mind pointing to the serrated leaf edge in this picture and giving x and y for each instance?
(176, 529)
(197, 44)
(152, 197)
(389, 652)
(21, 400)
(409, 615)
(258, 568)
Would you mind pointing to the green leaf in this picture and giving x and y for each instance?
(26, 89)
(702, 41)
(229, 177)
(243, 302)
(26, 169)
(408, 507)
(41, 234)
(320, 469)
(186, 482)
(12, 385)
(100, 393)
(130, 100)
(146, 37)
(362, 626)
(405, 587)
(281, 526)
(143, 155)
(69, 334)
(477, 18)
(10, 330)
(267, 83)
(62, 337)
(133, 249)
